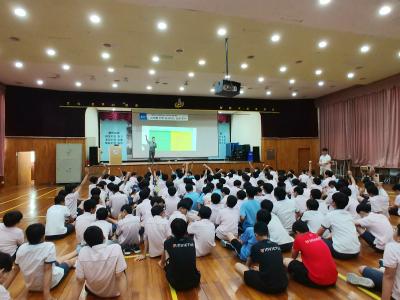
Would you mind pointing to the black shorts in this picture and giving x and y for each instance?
(182, 283)
(299, 273)
(253, 279)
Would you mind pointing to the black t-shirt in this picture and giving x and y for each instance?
(181, 264)
(269, 257)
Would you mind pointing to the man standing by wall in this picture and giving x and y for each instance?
(152, 148)
(324, 161)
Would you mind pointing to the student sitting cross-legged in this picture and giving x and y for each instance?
(100, 267)
(11, 237)
(317, 268)
(271, 276)
(228, 219)
(7, 275)
(179, 258)
(58, 219)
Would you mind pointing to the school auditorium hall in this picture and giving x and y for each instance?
(184, 150)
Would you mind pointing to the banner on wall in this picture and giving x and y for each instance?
(162, 117)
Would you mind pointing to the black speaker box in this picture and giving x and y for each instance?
(93, 156)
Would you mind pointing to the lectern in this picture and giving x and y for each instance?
(115, 154)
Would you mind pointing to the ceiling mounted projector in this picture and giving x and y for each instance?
(224, 87)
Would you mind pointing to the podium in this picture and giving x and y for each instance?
(115, 154)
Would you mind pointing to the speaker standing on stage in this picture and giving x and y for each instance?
(152, 148)
(324, 161)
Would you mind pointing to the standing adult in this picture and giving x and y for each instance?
(152, 148)
(324, 161)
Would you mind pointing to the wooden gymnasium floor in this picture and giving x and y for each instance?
(146, 280)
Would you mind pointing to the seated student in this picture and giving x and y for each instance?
(271, 277)
(156, 231)
(194, 196)
(72, 197)
(379, 203)
(96, 194)
(179, 258)
(395, 209)
(277, 233)
(38, 263)
(203, 232)
(103, 193)
(116, 200)
(317, 267)
(215, 206)
(100, 268)
(182, 209)
(171, 201)
(85, 220)
(268, 188)
(241, 196)
(387, 278)
(316, 194)
(374, 228)
(11, 237)
(225, 192)
(7, 275)
(313, 217)
(300, 200)
(249, 208)
(58, 220)
(101, 221)
(143, 209)
(207, 193)
(92, 184)
(285, 209)
(353, 202)
(227, 219)
(344, 243)
(233, 190)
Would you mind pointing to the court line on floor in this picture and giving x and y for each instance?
(173, 293)
(24, 195)
(365, 291)
(11, 208)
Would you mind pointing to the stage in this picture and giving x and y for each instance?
(197, 167)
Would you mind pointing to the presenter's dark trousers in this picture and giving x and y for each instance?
(151, 156)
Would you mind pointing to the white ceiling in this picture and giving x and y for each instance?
(129, 26)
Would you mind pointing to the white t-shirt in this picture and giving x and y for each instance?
(215, 209)
(228, 220)
(81, 224)
(55, 219)
(286, 212)
(143, 210)
(314, 220)
(156, 231)
(379, 204)
(322, 207)
(344, 233)
(171, 204)
(325, 159)
(98, 265)
(31, 260)
(71, 201)
(116, 201)
(204, 236)
(128, 230)
(301, 203)
(4, 294)
(176, 215)
(352, 207)
(379, 226)
(10, 239)
(391, 259)
(397, 202)
(105, 226)
(277, 233)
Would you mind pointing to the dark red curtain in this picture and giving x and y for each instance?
(115, 115)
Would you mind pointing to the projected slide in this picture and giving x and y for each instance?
(171, 139)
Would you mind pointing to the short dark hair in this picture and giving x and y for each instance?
(299, 190)
(215, 198)
(144, 193)
(317, 180)
(341, 200)
(346, 190)
(59, 199)
(35, 233)
(251, 192)
(261, 229)
(185, 204)
(396, 187)
(267, 205)
(237, 183)
(300, 226)
(157, 210)
(316, 194)
(93, 236)
(279, 193)
(325, 149)
(88, 205)
(189, 187)
(241, 195)
(312, 204)
(372, 190)
(95, 191)
(263, 215)
(127, 208)
(12, 218)
(205, 212)
(268, 188)
(171, 191)
(101, 213)
(178, 228)
(231, 201)
(365, 207)
(225, 190)
(6, 262)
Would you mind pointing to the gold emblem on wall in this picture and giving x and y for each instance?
(179, 103)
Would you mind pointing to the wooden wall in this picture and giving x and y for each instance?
(45, 152)
(287, 152)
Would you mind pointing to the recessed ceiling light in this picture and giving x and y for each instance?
(261, 79)
(162, 26)
(294, 94)
(275, 38)
(191, 74)
(321, 83)
(20, 12)
(19, 64)
(221, 31)
(318, 72)
(95, 19)
(65, 67)
(385, 10)
(322, 44)
(268, 93)
(39, 82)
(227, 76)
(149, 87)
(152, 72)
(282, 69)
(51, 52)
(241, 91)
(212, 90)
(292, 81)
(324, 2)
(155, 58)
(202, 62)
(350, 75)
(114, 85)
(244, 66)
(365, 48)
(181, 88)
(105, 55)
(110, 70)
(78, 83)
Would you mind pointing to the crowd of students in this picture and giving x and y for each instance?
(258, 214)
